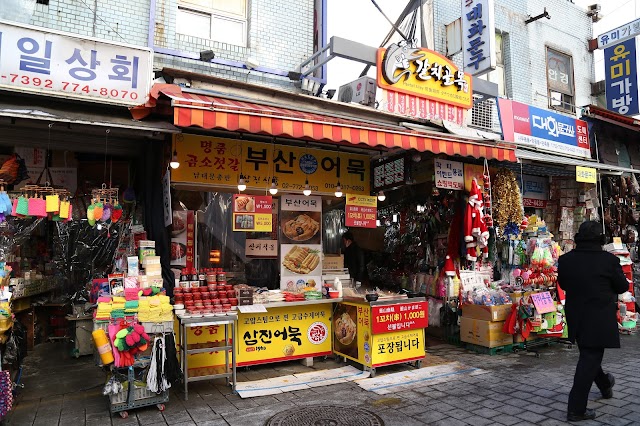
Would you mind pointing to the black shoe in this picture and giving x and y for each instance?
(589, 414)
(608, 392)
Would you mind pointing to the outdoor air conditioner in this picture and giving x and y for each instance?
(361, 91)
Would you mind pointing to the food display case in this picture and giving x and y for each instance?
(383, 332)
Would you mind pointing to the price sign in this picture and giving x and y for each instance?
(261, 248)
(361, 211)
(392, 318)
(543, 302)
(252, 213)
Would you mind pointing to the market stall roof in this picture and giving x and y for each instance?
(191, 108)
(524, 154)
(593, 111)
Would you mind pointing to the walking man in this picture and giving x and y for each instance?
(592, 279)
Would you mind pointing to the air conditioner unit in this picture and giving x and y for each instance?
(361, 91)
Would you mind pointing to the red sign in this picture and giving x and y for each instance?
(191, 239)
(361, 211)
(399, 317)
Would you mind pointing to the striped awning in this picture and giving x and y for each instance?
(212, 112)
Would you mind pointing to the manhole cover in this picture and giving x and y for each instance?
(325, 415)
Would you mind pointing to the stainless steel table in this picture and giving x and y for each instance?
(229, 324)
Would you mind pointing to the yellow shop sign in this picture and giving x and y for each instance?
(424, 73)
(206, 160)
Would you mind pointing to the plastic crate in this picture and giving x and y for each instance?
(139, 392)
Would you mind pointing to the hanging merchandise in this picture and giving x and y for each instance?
(476, 233)
(507, 203)
(104, 207)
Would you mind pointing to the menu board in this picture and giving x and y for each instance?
(361, 211)
(301, 242)
(252, 213)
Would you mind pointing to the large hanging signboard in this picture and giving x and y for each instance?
(211, 161)
(361, 211)
(543, 129)
(621, 77)
(54, 63)
(478, 36)
(407, 69)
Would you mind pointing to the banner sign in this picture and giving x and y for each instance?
(361, 211)
(478, 36)
(621, 77)
(424, 73)
(543, 129)
(449, 174)
(405, 316)
(54, 63)
(211, 161)
(535, 192)
(183, 237)
(252, 213)
(617, 35)
(402, 346)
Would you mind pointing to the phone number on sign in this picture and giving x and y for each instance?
(69, 87)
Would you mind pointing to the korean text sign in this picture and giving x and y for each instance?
(361, 211)
(478, 36)
(215, 161)
(543, 129)
(390, 348)
(535, 191)
(423, 73)
(449, 174)
(619, 34)
(252, 213)
(48, 62)
(543, 302)
(284, 333)
(586, 174)
(405, 316)
(621, 77)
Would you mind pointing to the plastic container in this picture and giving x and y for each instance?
(233, 301)
(214, 294)
(334, 294)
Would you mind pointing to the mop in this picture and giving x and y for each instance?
(156, 380)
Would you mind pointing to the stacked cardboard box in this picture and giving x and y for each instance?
(482, 325)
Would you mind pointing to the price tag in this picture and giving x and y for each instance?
(617, 243)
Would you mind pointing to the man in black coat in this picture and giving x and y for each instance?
(354, 258)
(592, 279)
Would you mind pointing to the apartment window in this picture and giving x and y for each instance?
(560, 84)
(220, 20)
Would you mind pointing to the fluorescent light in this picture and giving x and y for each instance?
(381, 196)
(241, 184)
(338, 192)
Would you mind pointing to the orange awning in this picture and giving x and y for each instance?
(210, 112)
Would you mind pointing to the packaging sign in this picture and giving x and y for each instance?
(411, 70)
(535, 192)
(478, 36)
(183, 237)
(206, 160)
(252, 213)
(543, 302)
(391, 348)
(54, 63)
(449, 174)
(284, 333)
(586, 174)
(621, 77)
(543, 129)
(617, 35)
(398, 317)
(261, 248)
(361, 211)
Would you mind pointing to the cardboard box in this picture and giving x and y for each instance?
(333, 261)
(484, 333)
(486, 313)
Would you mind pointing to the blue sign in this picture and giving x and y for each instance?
(621, 77)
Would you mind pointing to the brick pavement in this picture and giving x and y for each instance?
(519, 389)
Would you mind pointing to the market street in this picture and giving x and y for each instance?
(517, 389)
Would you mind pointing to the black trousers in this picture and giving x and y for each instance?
(588, 371)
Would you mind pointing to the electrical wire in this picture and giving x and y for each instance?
(105, 22)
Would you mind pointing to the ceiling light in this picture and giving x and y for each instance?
(174, 164)
(307, 190)
(381, 196)
(274, 188)
(338, 190)
(241, 185)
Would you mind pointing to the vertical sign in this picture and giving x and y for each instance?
(166, 198)
(183, 237)
(478, 36)
(252, 213)
(361, 211)
(535, 191)
(449, 174)
(621, 77)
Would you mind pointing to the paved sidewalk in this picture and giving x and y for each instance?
(519, 389)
